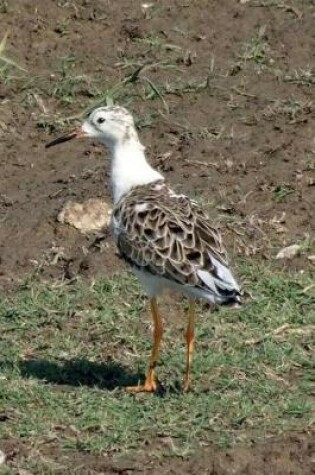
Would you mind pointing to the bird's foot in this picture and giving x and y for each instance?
(148, 387)
(186, 386)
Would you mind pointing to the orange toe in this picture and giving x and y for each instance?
(147, 387)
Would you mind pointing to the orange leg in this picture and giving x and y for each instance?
(190, 338)
(150, 381)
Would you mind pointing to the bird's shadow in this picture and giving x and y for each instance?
(80, 372)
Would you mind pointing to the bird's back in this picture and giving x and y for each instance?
(169, 236)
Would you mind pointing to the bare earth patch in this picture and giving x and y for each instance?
(290, 455)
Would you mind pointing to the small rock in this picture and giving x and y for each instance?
(280, 229)
(289, 252)
(92, 215)
(145, 6)
(279, 219)
(311, 259)
(2, 457)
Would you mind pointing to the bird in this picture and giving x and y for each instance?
(167, 238)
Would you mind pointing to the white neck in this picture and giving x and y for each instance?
(130, 168)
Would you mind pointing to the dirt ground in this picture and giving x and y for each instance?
(292, 455)
(236, 130)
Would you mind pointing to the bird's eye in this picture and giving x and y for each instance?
(100, 120)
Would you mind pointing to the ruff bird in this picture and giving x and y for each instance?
(165, 237)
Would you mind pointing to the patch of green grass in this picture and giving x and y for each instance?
(66, 350)
(69, 84)
(283, 190)
(256, 49)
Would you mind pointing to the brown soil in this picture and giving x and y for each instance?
(292, 455)
(244, 143)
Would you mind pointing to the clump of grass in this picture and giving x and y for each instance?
(69, 84)
(283, 190)
(256, 49)
(301, 76)
(155, 42)
(293, 109)
(6, 63)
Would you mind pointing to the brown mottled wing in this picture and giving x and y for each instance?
(168, 235)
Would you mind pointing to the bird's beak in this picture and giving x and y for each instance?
(77, 133)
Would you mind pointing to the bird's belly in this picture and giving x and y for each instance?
(155, 286)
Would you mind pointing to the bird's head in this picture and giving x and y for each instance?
(111, 125)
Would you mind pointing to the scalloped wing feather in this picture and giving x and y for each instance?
(170, 236)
